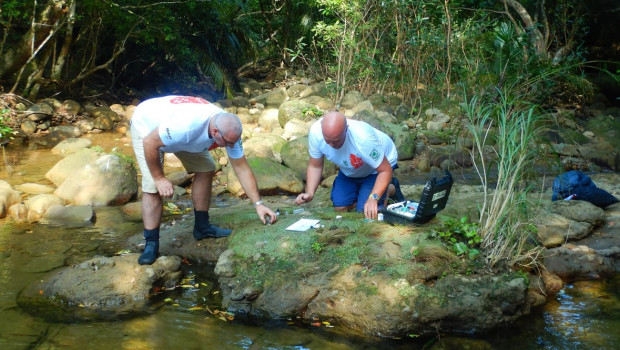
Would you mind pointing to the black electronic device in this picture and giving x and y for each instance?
(433, 199)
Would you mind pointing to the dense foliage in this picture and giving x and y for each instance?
(417, 48)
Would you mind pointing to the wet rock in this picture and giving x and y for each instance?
(109, 180)
(71, 145)
(572, 262)
(70, 165)
(39, 204)
(44, 263)
(29, 127)
(271, 177)
(552, 283)
(100, 288)
(19, 212)
(71, 215)
(33, 188)
(224, 266)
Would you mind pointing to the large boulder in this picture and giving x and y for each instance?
(295, 128)
(362, 276)
(264, 145)
(70, 165)
(268, 119)
(100, 288)
(109, 180)
(271, 177)
(295, 109)
(568, 220)
(400, 134)
(296, 157)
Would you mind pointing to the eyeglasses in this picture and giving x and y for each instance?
(219, 131)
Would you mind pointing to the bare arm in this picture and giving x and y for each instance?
(313, 179)
(152, 143)
(248, 182)
(384, 177)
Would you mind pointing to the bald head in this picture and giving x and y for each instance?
(229, 125)
(334, 127)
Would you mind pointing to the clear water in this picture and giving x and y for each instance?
(584, 315)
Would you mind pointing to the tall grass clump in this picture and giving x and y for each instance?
(506, 130)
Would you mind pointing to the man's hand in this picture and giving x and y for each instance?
(164, 187)
(263, 211)
(304, 198)
(370, 209)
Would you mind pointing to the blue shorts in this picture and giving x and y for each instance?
(348, 190)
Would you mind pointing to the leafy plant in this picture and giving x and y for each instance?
(5, 130)
(312, 112)
(317, 247)
(461, 235)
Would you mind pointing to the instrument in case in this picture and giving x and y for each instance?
(433, 199)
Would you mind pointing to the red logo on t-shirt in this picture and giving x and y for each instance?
(188, 99)
(356, 161)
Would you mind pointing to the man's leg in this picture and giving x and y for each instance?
(366, 185)
(396, 194)
(201, 196)
(152, 203)
(152, 206)
(344, 193)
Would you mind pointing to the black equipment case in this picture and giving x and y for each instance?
(433, 199)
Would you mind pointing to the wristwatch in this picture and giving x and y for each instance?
(374, 196)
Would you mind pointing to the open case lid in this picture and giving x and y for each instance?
(434, 197)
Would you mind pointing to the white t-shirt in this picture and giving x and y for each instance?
(362, 152)
(182, 123)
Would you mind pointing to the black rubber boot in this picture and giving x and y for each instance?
(151, 249)
(398, 195)
(203, 229)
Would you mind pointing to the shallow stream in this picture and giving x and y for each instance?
(584, 315)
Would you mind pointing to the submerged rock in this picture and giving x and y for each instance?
(100, 288)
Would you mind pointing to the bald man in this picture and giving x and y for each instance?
(189, 127)
(366, 158)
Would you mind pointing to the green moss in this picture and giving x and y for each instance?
(367, 289)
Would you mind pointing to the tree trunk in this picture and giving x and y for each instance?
(66, 45)
(538, 39)
(15, 58)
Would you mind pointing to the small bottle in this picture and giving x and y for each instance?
(380, 216)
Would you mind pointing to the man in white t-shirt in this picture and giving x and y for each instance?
(366, 158)
(189, 127)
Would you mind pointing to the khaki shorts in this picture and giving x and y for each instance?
(192, 162)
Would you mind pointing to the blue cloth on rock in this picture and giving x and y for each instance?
(577, 183)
